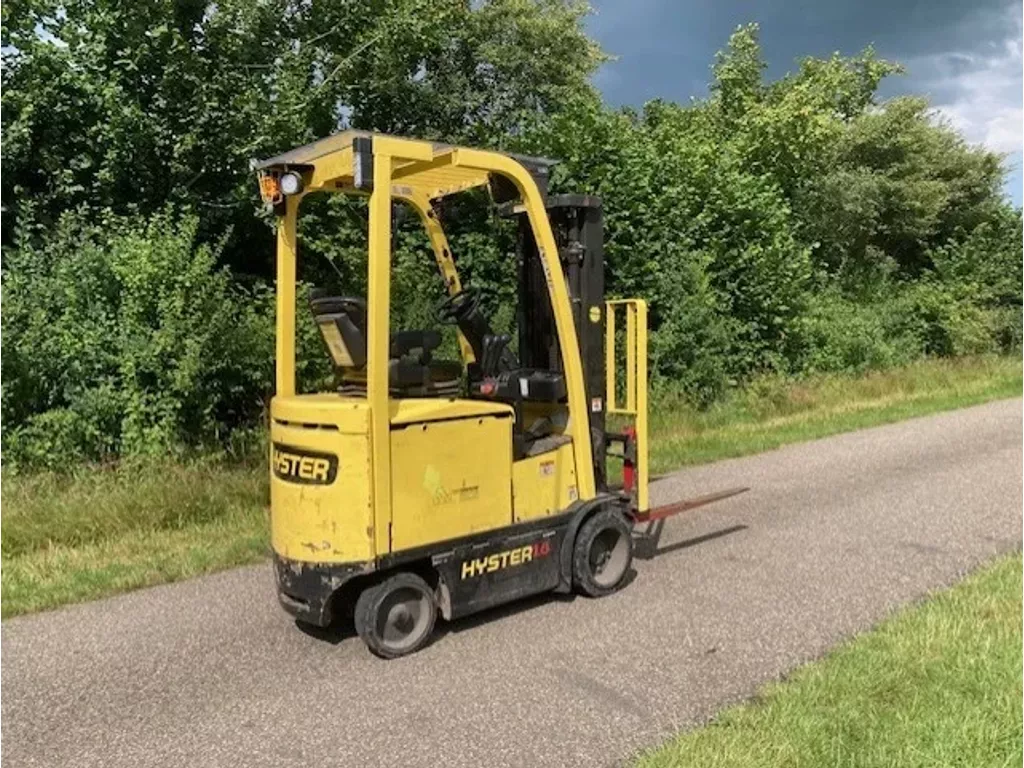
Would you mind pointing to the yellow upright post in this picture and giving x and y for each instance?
(636, 382)
(285, 310)
(443, 257)
(630, 358)
(377, 342)
(609, 358)
(579, 425)
(641, 406)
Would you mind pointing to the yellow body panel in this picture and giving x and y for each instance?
(418, 409)
(346, 414)
(322, 523)
(451, 475)
(449, 479)
(544, 485)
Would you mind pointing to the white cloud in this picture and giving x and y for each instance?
(979, 92)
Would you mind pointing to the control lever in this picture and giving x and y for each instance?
(493, 347)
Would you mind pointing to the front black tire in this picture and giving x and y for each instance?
(396, 617)
(602, 554)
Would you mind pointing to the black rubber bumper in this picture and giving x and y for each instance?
(306, 590)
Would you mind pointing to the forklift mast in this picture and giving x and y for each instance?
(576, 223)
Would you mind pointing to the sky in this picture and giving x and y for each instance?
(964, 56)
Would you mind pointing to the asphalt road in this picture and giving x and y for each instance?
(834, 535)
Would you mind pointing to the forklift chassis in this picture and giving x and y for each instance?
(420, 486)
(469, 574)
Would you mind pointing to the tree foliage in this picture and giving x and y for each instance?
(133, 106)
(794, 225)
(797, 225)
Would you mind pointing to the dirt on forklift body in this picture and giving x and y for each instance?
(422, 486)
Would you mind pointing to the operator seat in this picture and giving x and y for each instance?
(412, 371)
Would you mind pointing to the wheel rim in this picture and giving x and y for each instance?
(403, 618)
(609, 557)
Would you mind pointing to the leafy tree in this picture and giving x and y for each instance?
(897, 185)
(813, 210)
(131, 106)
(796, 225)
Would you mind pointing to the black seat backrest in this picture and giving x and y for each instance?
(411, 370)
(342, 323)
(418, 344)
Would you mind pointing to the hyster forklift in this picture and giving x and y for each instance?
(420, 485)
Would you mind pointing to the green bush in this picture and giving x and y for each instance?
(981, 272)
(838, 334)
(774, 228)
(124, 338)
(947, 320)
(927, 317)
(689, 350)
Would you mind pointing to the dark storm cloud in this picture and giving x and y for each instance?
(665, 47)
(965, 56)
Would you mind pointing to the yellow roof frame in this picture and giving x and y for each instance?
(424, 169)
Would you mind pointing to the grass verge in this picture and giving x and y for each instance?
(938, 684)
(773, 412)
(100, 531)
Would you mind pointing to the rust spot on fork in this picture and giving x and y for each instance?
(667, 510)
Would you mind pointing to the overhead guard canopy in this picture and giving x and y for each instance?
(333, 164)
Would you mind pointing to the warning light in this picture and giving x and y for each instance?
(270, 188)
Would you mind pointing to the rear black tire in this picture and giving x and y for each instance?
(396, 617)
(602, 554)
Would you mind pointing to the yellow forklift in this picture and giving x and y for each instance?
(421, 486)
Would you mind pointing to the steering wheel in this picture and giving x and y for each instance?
(463, 303)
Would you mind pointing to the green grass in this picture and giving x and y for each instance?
(104, 530)
(108, 530)
(774, 412)
(937, 685)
